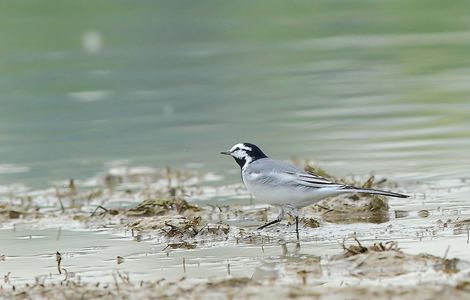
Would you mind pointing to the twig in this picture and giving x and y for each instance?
(445, 254)
(99, 206)
(59, 232)
(60, 200)
(362, 261)
(358, 243)
(116, 282)
(328, 210)
(383, 180)
(124, 278)
(66, 274)
(468, 235)
(6, 278)
(58, 259)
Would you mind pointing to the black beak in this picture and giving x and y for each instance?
(225, 153)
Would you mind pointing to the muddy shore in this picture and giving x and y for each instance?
(174, 209)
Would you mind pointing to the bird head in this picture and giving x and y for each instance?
(245, 153)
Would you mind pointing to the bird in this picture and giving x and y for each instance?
(280, 183)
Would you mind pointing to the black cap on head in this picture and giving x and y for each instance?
(255, 151)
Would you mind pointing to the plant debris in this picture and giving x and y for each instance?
(350, 208)
(155, 205)
(241, 287)
(310, 222)
(158, 207)
(353, 249)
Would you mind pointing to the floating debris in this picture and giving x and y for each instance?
(401, 214)
(423, 213)
(119, 259)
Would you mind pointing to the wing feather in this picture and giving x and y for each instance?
(280, 173)
(312, 180)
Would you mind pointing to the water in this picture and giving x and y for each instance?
(142, 261)
(358, 87)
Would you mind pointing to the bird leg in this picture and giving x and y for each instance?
(291, 210)
(269, 224)
(278, 219)
(294, 212)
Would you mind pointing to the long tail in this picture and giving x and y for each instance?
(372, 191)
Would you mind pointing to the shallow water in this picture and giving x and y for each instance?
(174, 85)
(90, 255)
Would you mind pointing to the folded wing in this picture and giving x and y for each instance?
(312, 180)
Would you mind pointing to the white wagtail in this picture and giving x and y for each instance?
(280, 183)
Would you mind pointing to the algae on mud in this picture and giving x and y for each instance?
(349, 208)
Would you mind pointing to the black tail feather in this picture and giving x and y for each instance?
(375, 192)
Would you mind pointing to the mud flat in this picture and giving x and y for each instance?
(350, 246)
(379, 271)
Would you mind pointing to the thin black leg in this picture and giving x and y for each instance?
(269, 223)
(297, 226)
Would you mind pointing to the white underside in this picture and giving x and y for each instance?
(296, 197)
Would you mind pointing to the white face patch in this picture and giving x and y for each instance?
(240, 151)
(240, 146)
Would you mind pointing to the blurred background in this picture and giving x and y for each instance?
(358, 86)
